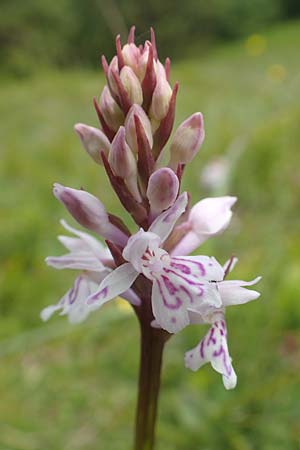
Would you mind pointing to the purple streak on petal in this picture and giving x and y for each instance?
(168, 305)
(211, 338)
(187, 292)
(190, 282)
(169, 285)
(103, 293)
(74, 290)
(196, 263)
(202, 348)
(221, 352)
(182, 267)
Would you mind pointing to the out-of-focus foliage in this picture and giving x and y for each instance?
(74, 32)
(73, 387)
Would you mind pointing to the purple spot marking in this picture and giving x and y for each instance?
(202, 349)
(98, 295)
(188, 280)
(168, 305)
(211, 338)
(74, 291)
(173, 320)
(187, 292)
(169, 285)
(221, 351)
(196, 263)
(182, 267)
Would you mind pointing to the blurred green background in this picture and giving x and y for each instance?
(74, 387)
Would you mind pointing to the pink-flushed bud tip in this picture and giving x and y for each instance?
(120, 157)
(131, 55)
(130, 128)
(162, 190)
(161, 96)
(93, 140)
(89, 212)
(111, 111)
(187, 140)
(132, 85)
(123, 163)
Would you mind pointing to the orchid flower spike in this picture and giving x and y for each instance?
(136, 112)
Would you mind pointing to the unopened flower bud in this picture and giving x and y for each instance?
(132, 85)
(89, 212)
(161, 95)
(113, 67)
(143, 61)
(162, 190)
(131, 135)
(131, 54)
(93, 140)
(187, 140)
(111, 111)
(120, 157)
(123, 163)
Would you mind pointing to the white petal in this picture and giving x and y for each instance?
(72, 244)
(79, 261)
(47, 312)
(214, 349)
(165, 222)
(91, 243)
(207, 218)
(117, 282)
(169, 305)
(73, 302)
(211, 215)
(234, 294)
(175, 290)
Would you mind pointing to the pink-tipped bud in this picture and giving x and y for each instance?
(131, 134)
(162, 190)
(132, 85)
(120, 157)
(112, 113)
(93, 140)
(84, 207)
(89, 212)
(187, 140)
(123, 163)
(131, 55)
(161, 95)
(113, 67)
(143, 61)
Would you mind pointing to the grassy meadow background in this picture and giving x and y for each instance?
(74, 387)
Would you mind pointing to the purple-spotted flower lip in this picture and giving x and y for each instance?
(213, 348)
(178, 283)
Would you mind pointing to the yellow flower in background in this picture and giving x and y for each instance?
(277, 73)
(256, 45)
(123, 305)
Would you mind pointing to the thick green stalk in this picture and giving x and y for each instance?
(152, 346)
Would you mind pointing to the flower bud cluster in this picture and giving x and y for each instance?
(136, 111)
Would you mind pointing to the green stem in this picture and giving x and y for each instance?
(152, 346)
